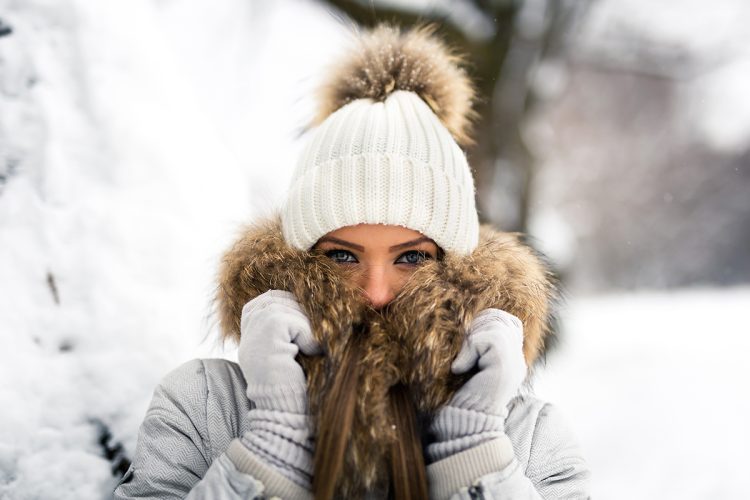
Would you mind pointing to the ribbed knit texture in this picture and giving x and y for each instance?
(459, 429)
(283, 441)
(285, 398)
(275, 485)
(390, 162)
(447, 476)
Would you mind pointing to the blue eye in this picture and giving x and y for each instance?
(341, 256)
(413, 257)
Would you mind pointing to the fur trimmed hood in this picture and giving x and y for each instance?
(411, 341)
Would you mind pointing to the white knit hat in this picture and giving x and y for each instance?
(385, 161)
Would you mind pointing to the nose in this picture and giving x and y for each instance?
(377, 287)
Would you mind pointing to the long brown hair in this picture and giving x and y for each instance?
(408, 478)
(408, 475)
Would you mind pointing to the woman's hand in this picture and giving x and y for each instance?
(273, 330)
(494, 344)
(477, 411)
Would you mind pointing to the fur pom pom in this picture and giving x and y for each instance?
(387, 59)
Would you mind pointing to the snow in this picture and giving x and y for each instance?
(145, 133)
(654, 385)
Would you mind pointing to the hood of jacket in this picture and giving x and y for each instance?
(411, 341)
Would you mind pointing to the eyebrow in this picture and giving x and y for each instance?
(331, 239)
(409, 243)
(360, 248)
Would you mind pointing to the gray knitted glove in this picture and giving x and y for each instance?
(477, 412)
(273, 330)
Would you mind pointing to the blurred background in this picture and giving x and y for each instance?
(136, 138)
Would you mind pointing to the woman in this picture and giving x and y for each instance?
(383, 335)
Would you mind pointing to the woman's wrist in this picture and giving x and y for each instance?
(458, 429)
(284, 444)
(275, 481)
(462, 469)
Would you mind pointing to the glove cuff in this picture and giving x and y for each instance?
(276, 482)
(291, 399)
(449, 475)
(458, 429)
(282, 441)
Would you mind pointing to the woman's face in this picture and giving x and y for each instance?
(382, 257)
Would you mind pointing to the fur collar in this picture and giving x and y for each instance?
(412, 341)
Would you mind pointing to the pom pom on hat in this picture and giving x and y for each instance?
(387, 59)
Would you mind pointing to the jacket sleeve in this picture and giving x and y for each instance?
(556, 468)
(172, 458)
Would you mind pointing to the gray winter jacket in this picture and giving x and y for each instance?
(188, 448)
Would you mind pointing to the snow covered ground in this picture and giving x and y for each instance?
(655, 385)
(135, 138)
